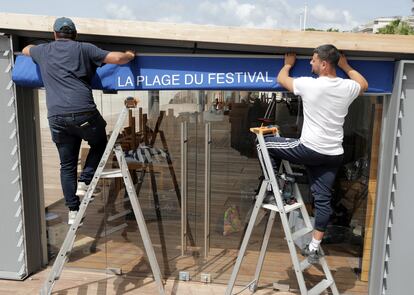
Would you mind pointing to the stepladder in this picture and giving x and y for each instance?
(101, 172)
(274, 182)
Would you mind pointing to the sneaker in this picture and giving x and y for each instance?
(72, 216)
(313, 256)
(81, 189)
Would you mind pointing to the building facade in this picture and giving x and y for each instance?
(208, 128)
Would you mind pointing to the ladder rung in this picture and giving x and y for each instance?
(111, 173)
(114, 229)
(288, 208)
(320, 287)
(301, 232)
(116, 216)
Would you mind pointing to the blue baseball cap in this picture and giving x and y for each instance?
(64, 25)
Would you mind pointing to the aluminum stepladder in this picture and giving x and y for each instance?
(123, 172)
(283, 210)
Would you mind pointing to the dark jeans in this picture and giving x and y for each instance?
(67, 133)
(321, 170)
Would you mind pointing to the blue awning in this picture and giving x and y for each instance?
(205, 73)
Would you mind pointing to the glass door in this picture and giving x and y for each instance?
(162, 159)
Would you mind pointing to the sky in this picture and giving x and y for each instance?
(272, 14)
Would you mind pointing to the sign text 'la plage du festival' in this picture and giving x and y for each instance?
(195, 79)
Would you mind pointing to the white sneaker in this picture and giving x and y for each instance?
(72, 216)
(83, 188)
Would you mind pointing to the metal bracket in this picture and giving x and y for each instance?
(205, 278)
(184, 276)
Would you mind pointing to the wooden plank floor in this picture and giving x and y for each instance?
(81, 282)
(124, 250)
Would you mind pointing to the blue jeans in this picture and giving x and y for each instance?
(321, 170)
(67, 133)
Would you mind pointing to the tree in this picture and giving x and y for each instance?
(313, 30)
(397, 27)
(319, 30)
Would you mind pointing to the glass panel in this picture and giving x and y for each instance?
(110, 237)
(156, 169)
(89, 249)
(350, 231)
(236, 178)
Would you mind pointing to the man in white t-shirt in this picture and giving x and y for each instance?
(325, 104)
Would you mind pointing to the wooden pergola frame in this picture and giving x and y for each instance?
(203, 38)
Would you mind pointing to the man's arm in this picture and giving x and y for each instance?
(119, 58)
(353, 74)
(283, 78)
(26, 50)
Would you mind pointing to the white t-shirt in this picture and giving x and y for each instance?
(325, 105)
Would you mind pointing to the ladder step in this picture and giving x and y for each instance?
(288, 208)
(301, 232)
(111, 173)
(320, 287)
(114, 229)
(116, 216)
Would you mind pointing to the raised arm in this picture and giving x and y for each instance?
(353, 74)
(283, 78)
(119, 58)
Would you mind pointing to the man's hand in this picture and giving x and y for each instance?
(131, 53)
(353, 74)
(290, 59)
(119, 58)
(26, 50)
(283, 78)
(343, 62)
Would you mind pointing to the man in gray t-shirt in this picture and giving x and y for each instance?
(67, 67)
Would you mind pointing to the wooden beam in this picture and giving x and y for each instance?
(235, 38)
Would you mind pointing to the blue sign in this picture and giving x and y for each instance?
(205, 73)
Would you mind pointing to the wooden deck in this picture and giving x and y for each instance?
(81, 282)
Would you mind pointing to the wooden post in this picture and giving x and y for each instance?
(140, 120)
(131, 122)
(144, 128)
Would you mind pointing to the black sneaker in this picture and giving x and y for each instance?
(313, 256)
(269, 199)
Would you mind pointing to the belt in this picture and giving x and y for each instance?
(78, 114)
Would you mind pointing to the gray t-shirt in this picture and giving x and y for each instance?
(67, 68)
